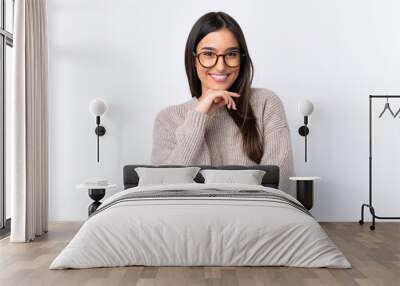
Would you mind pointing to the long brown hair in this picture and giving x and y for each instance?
(244, 115)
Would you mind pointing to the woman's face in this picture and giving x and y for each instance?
(220, 76)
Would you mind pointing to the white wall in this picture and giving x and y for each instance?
(130, 53)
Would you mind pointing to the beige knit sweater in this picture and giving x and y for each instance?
(185, 136)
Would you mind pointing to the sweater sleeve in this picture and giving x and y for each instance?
(277, 144)
(180, 145)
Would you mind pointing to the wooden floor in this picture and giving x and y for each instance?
(374, 255)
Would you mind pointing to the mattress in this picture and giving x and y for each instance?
(201, 225)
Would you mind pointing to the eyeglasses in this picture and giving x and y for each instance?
(209, 59)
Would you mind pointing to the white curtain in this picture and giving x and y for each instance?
(28, 157)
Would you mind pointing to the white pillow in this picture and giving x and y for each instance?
(163, 176)
(249, 176)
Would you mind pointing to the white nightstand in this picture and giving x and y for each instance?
(305, 190)
(96, 193)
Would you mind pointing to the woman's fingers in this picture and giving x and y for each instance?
(233, 104)
(228, 100)
(234, 94)
(224, 97)
(228, 105)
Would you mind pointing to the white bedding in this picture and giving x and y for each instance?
(200, 231)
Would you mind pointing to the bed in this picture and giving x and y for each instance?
(201, 224)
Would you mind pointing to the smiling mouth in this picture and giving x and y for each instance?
(219, 77)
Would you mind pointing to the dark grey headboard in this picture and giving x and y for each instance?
(270, 179)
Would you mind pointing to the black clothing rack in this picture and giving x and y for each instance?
(369, 205)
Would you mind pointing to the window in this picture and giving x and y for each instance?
(6, 44)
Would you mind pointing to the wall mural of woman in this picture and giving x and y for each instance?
(227, 121)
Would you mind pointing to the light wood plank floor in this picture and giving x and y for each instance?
(375, 257)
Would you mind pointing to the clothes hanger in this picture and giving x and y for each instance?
(398, 111)
(387, 106)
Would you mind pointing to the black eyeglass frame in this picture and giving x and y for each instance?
(216, 61)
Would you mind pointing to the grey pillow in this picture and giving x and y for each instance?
(162, 176)
(250, 177)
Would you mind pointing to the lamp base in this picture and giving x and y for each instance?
(100, 130)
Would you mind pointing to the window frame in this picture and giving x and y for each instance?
(6, 39)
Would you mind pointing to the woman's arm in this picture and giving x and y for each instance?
(277, 143)
(180, 145)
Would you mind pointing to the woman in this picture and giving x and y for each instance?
(226, 121)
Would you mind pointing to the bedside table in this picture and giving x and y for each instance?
(305, 190)
(96, 193)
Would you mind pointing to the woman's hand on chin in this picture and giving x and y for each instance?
(213, 99)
